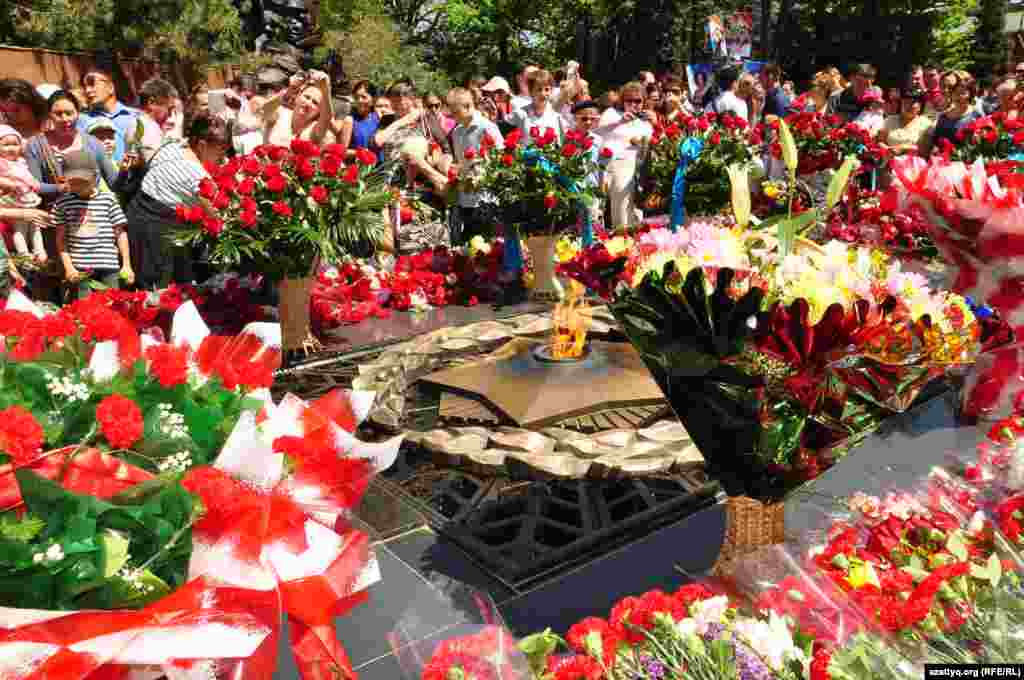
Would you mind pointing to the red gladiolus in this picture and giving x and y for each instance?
(222, 201)
(246, 187)
(319, 194)
(277, 154)
(352, 174)
(248, 205)
(470, 154)
(304, 148)
(271, 170)
(248, 219)
(120, 421)
(277, 184)
(281, 208)
(550, 201)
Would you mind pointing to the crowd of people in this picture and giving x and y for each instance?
(89, 184)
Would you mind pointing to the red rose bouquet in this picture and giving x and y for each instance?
(280, 210)
(538, 185)
(990, 138)
(727, 141)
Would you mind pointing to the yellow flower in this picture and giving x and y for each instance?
(619, 245)
(565, 249)
(772, 191)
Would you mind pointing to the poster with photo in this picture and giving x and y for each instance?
(700, 78)
(739, 34)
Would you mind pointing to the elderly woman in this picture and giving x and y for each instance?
(624, 135)
(175, 171)
(311, 116)
(406, 122)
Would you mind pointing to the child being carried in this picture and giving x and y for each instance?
(21, 192)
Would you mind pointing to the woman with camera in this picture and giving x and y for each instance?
(311, 115)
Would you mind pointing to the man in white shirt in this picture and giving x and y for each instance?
(468, 134)
(523, 81)
(624, 135)
(729, 101)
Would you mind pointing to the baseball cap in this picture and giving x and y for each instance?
(497, 84)
(80, 164)
(100, 124)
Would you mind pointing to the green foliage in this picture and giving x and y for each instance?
(21, 529)
(195, 31)
(953, 35)
(65, 557)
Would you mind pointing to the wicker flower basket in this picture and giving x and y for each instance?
(750, 525)
(293, 309)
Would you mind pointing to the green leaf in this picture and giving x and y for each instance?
(789, 228)
(113, 552)
(957, 547)
(840, 179)
(21, 530)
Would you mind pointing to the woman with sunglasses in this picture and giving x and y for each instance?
(624, 135)
(674, 105)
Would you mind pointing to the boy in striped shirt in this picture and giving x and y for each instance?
(90, 229)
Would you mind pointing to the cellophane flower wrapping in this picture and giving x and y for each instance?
(933, 566)
(480, 647)
(777, 367)
(974, 213)
(269, 531)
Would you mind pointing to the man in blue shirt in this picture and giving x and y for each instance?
(776, 102)
(101, 102)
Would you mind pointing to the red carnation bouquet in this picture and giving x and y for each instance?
(194, 509)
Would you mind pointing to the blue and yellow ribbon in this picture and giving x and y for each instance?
(689, 151)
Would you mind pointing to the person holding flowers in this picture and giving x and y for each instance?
(175, 172)
(911, 131)
(91, 233)
(470, 131)
(623, 135)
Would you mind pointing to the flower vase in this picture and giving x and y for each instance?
(546, 286)
(293, 310)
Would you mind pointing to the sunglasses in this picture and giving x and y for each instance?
(435, 106)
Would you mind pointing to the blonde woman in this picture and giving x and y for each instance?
(624, 135)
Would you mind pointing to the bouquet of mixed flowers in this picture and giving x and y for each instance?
(539, 186)
(777, 364)
(727, 141)
(158, 480)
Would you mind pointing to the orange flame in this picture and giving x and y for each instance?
(569, 335)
